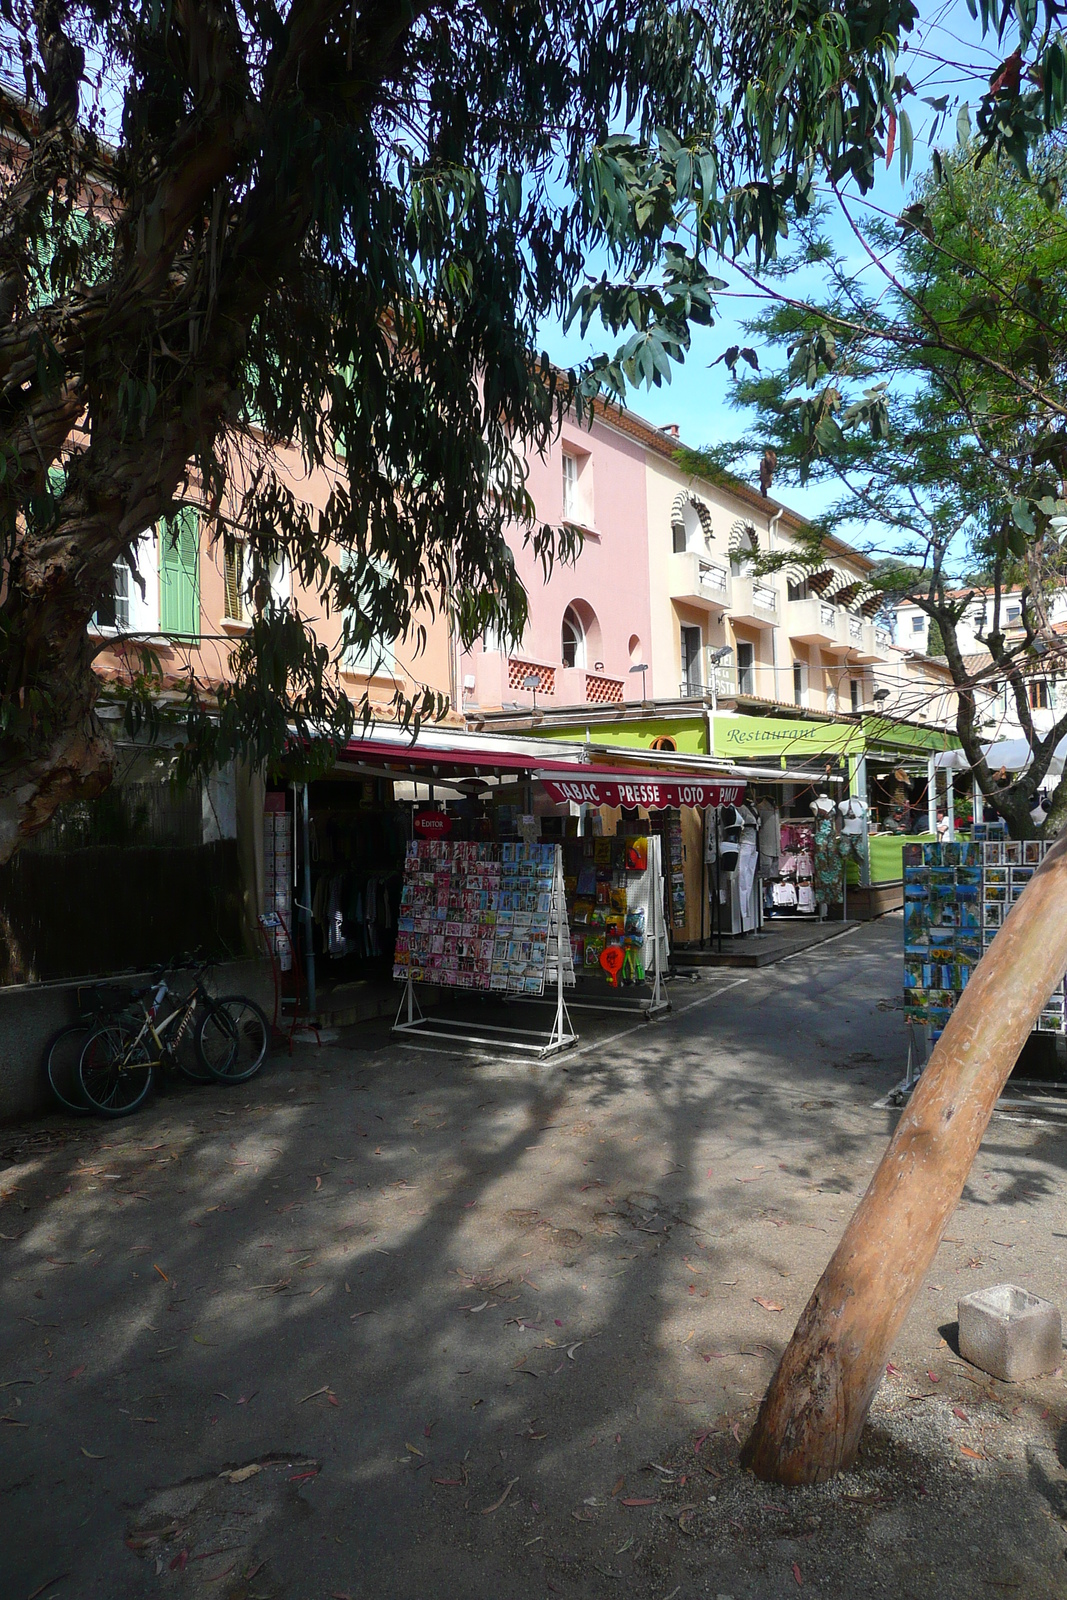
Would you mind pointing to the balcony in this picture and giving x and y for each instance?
(863, 641)
(754, 602)
(697, 581)
(816, 622)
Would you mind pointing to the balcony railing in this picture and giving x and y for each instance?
(712, 577)
(765, 597)
(855, 629)
(827, 616)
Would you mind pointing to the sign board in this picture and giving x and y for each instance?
(742, 737)
(654, 791)
(432, 824)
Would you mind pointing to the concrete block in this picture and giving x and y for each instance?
(1010, 1333)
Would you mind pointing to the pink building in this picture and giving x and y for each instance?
(591, 621)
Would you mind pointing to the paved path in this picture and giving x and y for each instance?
(391, 1320)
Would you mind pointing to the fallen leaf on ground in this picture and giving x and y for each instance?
(640, 1500)
(411, 1447)
(768, 1305)
(735, 1429)
(298, 1477)
(956, 1412)
(975, 1455)
(796, 1575)
(89, 1454)
(498, 1503)
(932, 1376)
(180, 1562)
(242, 1474)
(324, 1390)
(892, 1370)
(619, 1487)
(76, 1373)
(162, 1274)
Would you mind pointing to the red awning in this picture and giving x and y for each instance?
(606, 786)
(426, 760)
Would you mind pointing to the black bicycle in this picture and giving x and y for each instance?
(229, 1042)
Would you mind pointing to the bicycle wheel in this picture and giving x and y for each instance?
(186, 1055)
(233, 1039)
(115, 1070)
(61, 1067)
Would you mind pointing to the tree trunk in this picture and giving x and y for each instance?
(812, 1415)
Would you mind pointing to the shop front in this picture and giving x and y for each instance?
(353, 861)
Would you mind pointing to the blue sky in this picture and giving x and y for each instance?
(946, 55)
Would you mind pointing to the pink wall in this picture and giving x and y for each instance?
(608, 584)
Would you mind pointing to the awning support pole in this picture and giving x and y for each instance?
(301, 791)
(931, 796)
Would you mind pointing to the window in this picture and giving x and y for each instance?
(1013, 613)
(1037, 694)
(855, 690)
(234, 575)
(370, 654)
(572, 643)
(678, 541)
(798, 591)
(917, 624)
(113, 610)
(692, 647)
(570, 487)
(745, 659)
(800, 684)
(179, 574)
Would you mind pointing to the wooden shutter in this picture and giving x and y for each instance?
(179, 574)
(234, 562)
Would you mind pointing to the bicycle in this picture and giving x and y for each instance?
(117, 1064)
(65, 1048)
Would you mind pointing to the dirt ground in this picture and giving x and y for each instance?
(392, 1318)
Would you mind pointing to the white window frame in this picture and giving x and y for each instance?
(571, 506)
(142, 611)
(800, 683)
(572, 620)
(917, 623)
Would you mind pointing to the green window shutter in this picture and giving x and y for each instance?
(179, 574)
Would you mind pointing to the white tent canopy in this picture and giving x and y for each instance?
(1013, 754)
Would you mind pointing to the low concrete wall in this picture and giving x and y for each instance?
(31, 1013)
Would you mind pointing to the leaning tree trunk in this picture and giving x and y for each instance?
(811, 1418)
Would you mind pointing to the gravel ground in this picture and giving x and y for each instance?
(391, 1316)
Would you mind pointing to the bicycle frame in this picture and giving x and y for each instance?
(158, 1029)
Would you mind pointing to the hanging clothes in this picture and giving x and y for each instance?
(827, 880)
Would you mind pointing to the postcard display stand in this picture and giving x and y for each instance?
(956, 897)
(489, 919)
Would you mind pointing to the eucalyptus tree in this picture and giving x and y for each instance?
(229, 224)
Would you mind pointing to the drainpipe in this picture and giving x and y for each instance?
(772, 527)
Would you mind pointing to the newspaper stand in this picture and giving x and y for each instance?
(490, 961)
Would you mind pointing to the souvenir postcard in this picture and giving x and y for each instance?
(912, 855)
(915, 1008)
(995, 891)
(943, 877)
(941, 939)
(498, 980)
(1013, 852)
(916, 878)
(969, 875)
(916, 943)
(970, 854)
(913, 975)
(950, 853)
(996, 874)
(1015, 892)
(931, 855)
(970, 916)
(1033, 851)
(970, 952)
(916, 916)
(1022, 874)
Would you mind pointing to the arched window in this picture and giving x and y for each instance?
(573, 641)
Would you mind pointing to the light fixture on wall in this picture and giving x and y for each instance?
(642, 668)
(598, 666)
(879, 695)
